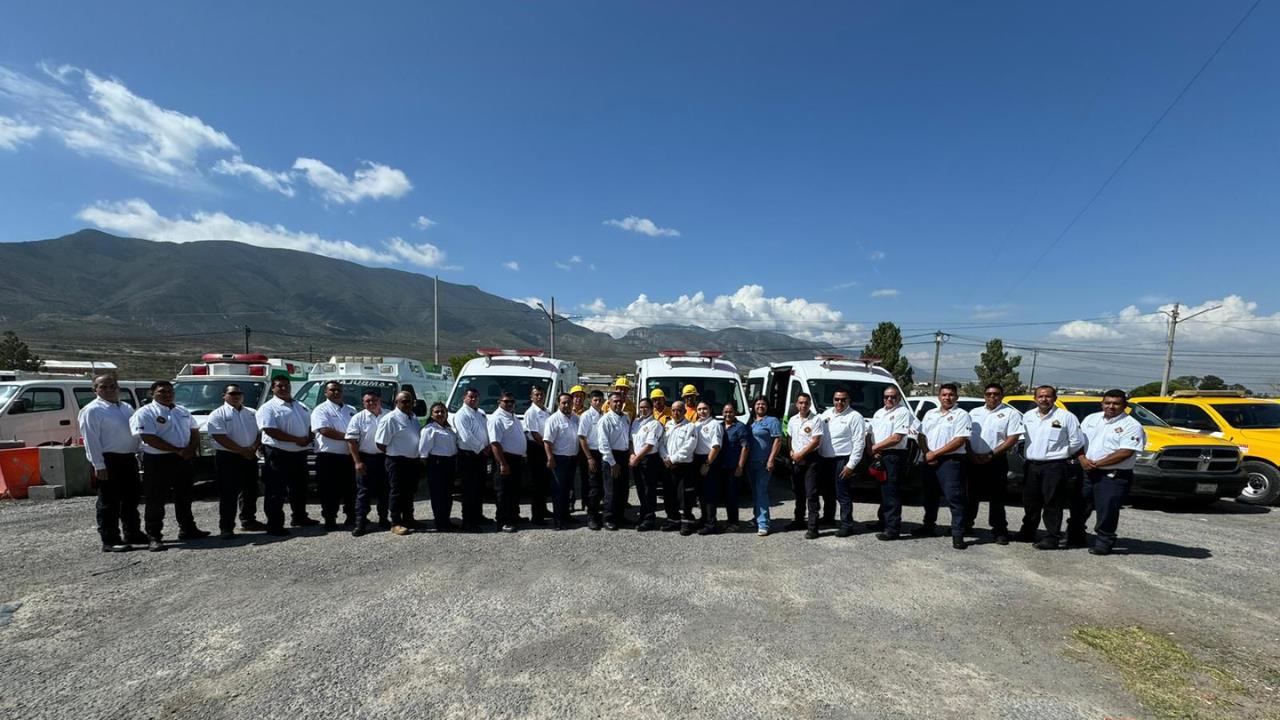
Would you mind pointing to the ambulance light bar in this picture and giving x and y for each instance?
(705, 354)
(234, 357)
(495, 352)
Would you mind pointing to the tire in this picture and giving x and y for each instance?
(1264, 483)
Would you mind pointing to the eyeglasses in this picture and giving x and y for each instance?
(507, 402)
(890, 397)
(235, 392)
(840, 400)
(991, 393)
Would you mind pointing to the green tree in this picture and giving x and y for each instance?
(886, 344)
(457, 361)
(1153, 388)
(15, 355)
(1212, 382)
(998, 366)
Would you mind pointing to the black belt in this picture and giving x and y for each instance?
(1049, 462)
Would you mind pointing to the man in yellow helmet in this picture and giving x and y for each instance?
(690, 395)
(661, 412)
(579, 395)
(623, 385)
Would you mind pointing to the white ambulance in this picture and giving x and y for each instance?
(39, 409)
(386, 375)
(716, 379)
(515, 371)
(779, 383)
(199, 385)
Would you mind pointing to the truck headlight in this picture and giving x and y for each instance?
(1146, 456)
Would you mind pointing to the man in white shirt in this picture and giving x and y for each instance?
(613, 439)
(369, 462)
(397, 438)
(169, 440)
(944, 440)
(560, 440)
(997, 427)
(233, 433)
(508, 443)
(335, 471)
(113, 454)
(591, 482)
(1113, 439)
(473, 453)
(286, 438)
(646, 462)
(1053, 438)
(535, 419)
(680, 494)
(705, 456)
(890, 435)
(805, 429)
(842, 445)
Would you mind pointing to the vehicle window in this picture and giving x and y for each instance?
(44, 399)
(794, 393)
(968, 405)
(6, 392)
(1021, 405)
(1250, 416)
(755, 388)
(715, 390)
(491, 387)
(1158, 408)
(1083, 409)
(126, 397)
(925, 407)
(865, 397)
(1145, 417)
(85, 395)
(201, 397)
(1192, 417)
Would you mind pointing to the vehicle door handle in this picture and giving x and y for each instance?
(64, 422)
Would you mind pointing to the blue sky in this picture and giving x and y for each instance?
(857, 162)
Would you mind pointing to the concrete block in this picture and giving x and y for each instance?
(66, 465)
(40, 493)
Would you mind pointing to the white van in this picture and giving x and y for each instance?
(515, 371)
(386, 375)
(715, 378)
(779, 383)
(44, 410)
(198, 386)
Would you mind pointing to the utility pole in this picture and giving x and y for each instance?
(1035, 353)
(552, 320)
(246, 339)
(1174, 319)
(939, 337)
(435, 313)
(311, 352)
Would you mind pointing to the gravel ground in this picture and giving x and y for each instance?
(599, 624)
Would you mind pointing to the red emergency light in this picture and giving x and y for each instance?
(258, 370)
(199, 369)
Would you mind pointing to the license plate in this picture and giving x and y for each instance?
(1206, 488)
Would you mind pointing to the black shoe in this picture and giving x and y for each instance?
(360, 530)
(384, 523)
(811, 535)
(958, 543)
(886, 536)
(156, 546)
(877, 526)
(670, 526)
(539, 521)
(1095, 550)
(827, 522)
(227, 534)
(115, 547)
(1074, 540)
(304, 522)
(646, 526)
(557, 525)
(593, 524)
(925, 531)
(331, 526)
(444, 527)
(611, 526)
(136, 538)
(707, 530)
(1024, 537)
(796, 525)
(193, 533)
(1002, 538)
(253, 526)
(844, 532)
(278, 532)
(686, 530)
(1047, 544)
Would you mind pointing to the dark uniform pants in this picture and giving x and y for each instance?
(283, 472)
(648, 474)
(403, 475)
(371, 487)
(237, 486)
(584, 481)
(681, 493)
(162, 475)
(987, 482)
(1104, 492)
(117, 506)
(1046, 489)
(595, 486)
(440, 472)
(471, 469)
(844, 488)
(721, 491)
(540, 478)
(507, 488)
(336, 476)
(810, 472)
(617, 489)
(827, 491)
(895, 469)
(947, 478)
(562, 486)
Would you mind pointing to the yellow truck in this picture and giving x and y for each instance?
(1252, 424)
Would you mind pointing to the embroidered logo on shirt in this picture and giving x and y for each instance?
(162, 419)
(1119, 430)
(1056, 424)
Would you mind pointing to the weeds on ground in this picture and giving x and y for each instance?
(1174, 684)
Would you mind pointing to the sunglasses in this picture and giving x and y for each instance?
(237, 392)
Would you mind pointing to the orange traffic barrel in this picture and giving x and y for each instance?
(19, 469)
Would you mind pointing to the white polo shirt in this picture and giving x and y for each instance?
(362, 427)
(680, 441)
(710, 435)
(613, 432)
(504, 429)
(804, 430)
(845, 434)
(942, 426)
(240, 426)
(105, 429)
(992, 427)
(646, 431)
(170, 424)
(291, 418)
(1055, 436)
(437, 440)
(398, 431)
(587, 426)
(886, 423)
(562, 432)
(330, 414)
(1103, 437)
(535, 418)
(473, 429)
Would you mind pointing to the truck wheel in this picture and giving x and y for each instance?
(1264, 483)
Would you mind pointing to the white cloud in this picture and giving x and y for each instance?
(596, 306)
(748, 307)
(986, 312)
(136, 218)
(876, 255)
(14, 132)
(373, 181)
(423, 222)
(885, 293)
(644, 226)
(280, 182)
(575, 259)
(1236, 322)
(564, 266)
(1085, 330)
(843, 286)
(512, 265)
(102, 117)
(532, 301)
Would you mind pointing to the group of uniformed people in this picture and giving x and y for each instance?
(375, 458)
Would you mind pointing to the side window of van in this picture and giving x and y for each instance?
(85, 395)
(44, 399)
(126, 397)
(796, 389)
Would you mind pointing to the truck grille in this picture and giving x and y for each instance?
(1200, 459)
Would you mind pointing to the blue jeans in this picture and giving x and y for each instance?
(760, 477)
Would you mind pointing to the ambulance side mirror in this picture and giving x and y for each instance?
(20, 406)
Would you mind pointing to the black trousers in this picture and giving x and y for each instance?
(237, 488)
(810, 472)
(987, 482)
(720, 490)
(681, 493)
(117, 505)
(595, 486)
(844, 488)
(1104, 492)
(371, 487)
(471, 469)
(648, 474)
(440, 472)
(584, 480)
(165, 475)
(562, 486)
(539, 479)
(336, 476)
(947, 478)
(617, 489)
(283, 472)
(403, 475)
(895, 470)
(827, 492)
(1046, 490)
(507, 488)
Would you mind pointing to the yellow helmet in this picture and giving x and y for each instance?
(688, 390)
(577, 389)
(622, 381)
(657, 393)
